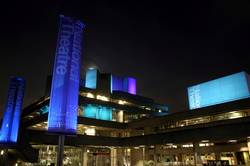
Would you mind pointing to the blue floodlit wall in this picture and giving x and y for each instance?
(63, 106)
(91, 78)
(13, 108)
(225, 89)
(97, 112)
(125, 84)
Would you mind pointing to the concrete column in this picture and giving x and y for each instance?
(179, 158)
(127, 156)
(246, 158)
(85, 157)
(235, 158)
(113, 157)
(248, 145)
(120, 156)
(120, 116)
(217, 155)
(143, 154)
(137, 157)
(197, 159)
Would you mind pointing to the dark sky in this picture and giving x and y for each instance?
(166, 46)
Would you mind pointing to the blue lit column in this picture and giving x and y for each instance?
(13, 107)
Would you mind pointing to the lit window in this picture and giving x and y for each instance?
(205, 141)
(90, 95)
(90, 131)
(232, 141)
(122, 102)
(187, 145)
(235, 115)
(103, 98)
(205, 144)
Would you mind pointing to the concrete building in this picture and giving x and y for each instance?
(117, 127)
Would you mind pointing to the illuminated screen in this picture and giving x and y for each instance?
(221, 90)
(97, 112)
(13, 108)
(91, 78)
(63, 106)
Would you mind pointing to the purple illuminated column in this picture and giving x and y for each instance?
(131, 85)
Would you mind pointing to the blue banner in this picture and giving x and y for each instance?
(66, 77)
(13, 107)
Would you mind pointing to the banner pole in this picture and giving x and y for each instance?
(60, 150)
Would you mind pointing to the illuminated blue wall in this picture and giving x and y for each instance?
(104, 113)
(225, 89)
(11, 118)
(63, 106)
(90, 111)
(91, 78)
(97, 112)
(125, 84)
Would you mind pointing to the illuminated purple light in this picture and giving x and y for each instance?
(125, 84)
(131, 85)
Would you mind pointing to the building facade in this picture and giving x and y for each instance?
(117, 127)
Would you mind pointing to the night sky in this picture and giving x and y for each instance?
(166, 46)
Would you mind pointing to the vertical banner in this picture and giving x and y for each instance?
(66, 77)
(11, 119)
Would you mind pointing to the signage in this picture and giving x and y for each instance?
(13, 108)
(63, 106)
(221, 90)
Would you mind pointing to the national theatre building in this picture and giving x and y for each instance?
(100, 120)
(117, 127)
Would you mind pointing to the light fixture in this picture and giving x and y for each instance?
(204, 141)
(232, 141)
(2, 152)
(187, 145)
